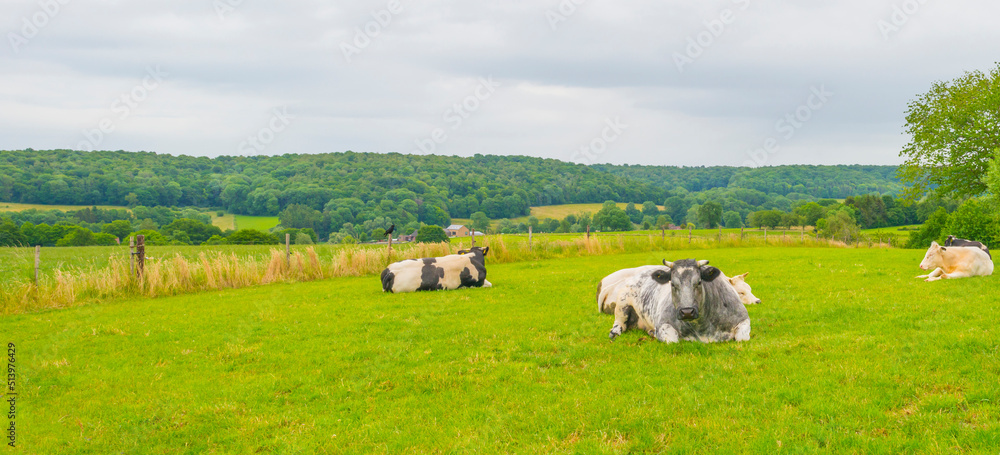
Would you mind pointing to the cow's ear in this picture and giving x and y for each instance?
(710, 273)
(486, 250)
(661, 276)
(462, 252)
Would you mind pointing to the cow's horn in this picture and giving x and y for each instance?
(702, 262)
(668, 264)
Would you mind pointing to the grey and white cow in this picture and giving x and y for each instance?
(955, 241)
(467, 269)
(681, 300)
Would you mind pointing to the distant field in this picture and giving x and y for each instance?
(225, 222)
(560, 211)
(15, 207)
(260, 223)
(848, 354)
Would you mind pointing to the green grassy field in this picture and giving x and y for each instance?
(260, 223)
(849, 354)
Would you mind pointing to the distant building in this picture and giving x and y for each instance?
(457, 230)
(408, 238)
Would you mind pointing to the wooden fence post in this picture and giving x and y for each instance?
(689, 234)
(765, 236)
(390, 243)
(473, 240)
(38, 262)
(741, 233)
(288, 249)
(663, 233)
(131, 256)
(720, 232)
(140, 254)
(529, 238)
(588, 232)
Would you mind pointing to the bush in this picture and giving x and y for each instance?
(252, 237)
(152, 237)
(431, 234)
(930, 231)
(974, 220)
(215, 240)
(303, 239)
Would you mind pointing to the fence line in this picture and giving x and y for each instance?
(220, 270)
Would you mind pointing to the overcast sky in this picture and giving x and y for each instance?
(719, 82)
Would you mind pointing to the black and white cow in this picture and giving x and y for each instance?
(955, 241)
(467, 269)
(681, 300)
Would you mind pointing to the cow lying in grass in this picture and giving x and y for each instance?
(955, 262)
(467, 269)
(955, 241)
(683, 300)
(609, 289)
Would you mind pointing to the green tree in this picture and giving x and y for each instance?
(118, 228)
(954, 130)
(431, 234)
(196, 231)
(840, 225)
(976, 220)
(649, 209)
(10, 234)
(481, 222)
(612, 218)
(252, 237)
(731, 219)
(634, 215)
(930, 231)
(710, 214)
(303, 238)
(300, 216)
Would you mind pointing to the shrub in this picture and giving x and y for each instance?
(431, 234)
(974, 220)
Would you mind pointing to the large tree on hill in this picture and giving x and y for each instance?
(710, 214)
(954, 132)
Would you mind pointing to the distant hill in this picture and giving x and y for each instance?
(501, 186)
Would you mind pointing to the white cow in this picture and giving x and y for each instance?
(610, 289)
(739, 283)
(955, 262)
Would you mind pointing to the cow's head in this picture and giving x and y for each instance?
(950, 240)
(739, 283)
(932, 259)
(478, 251)
(687, 278)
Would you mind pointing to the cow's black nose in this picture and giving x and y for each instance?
(689, 313)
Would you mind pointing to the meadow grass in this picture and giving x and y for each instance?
(848, 354)
(260, 223)
(174, 270)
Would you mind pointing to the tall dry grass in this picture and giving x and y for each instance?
(218, 270)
